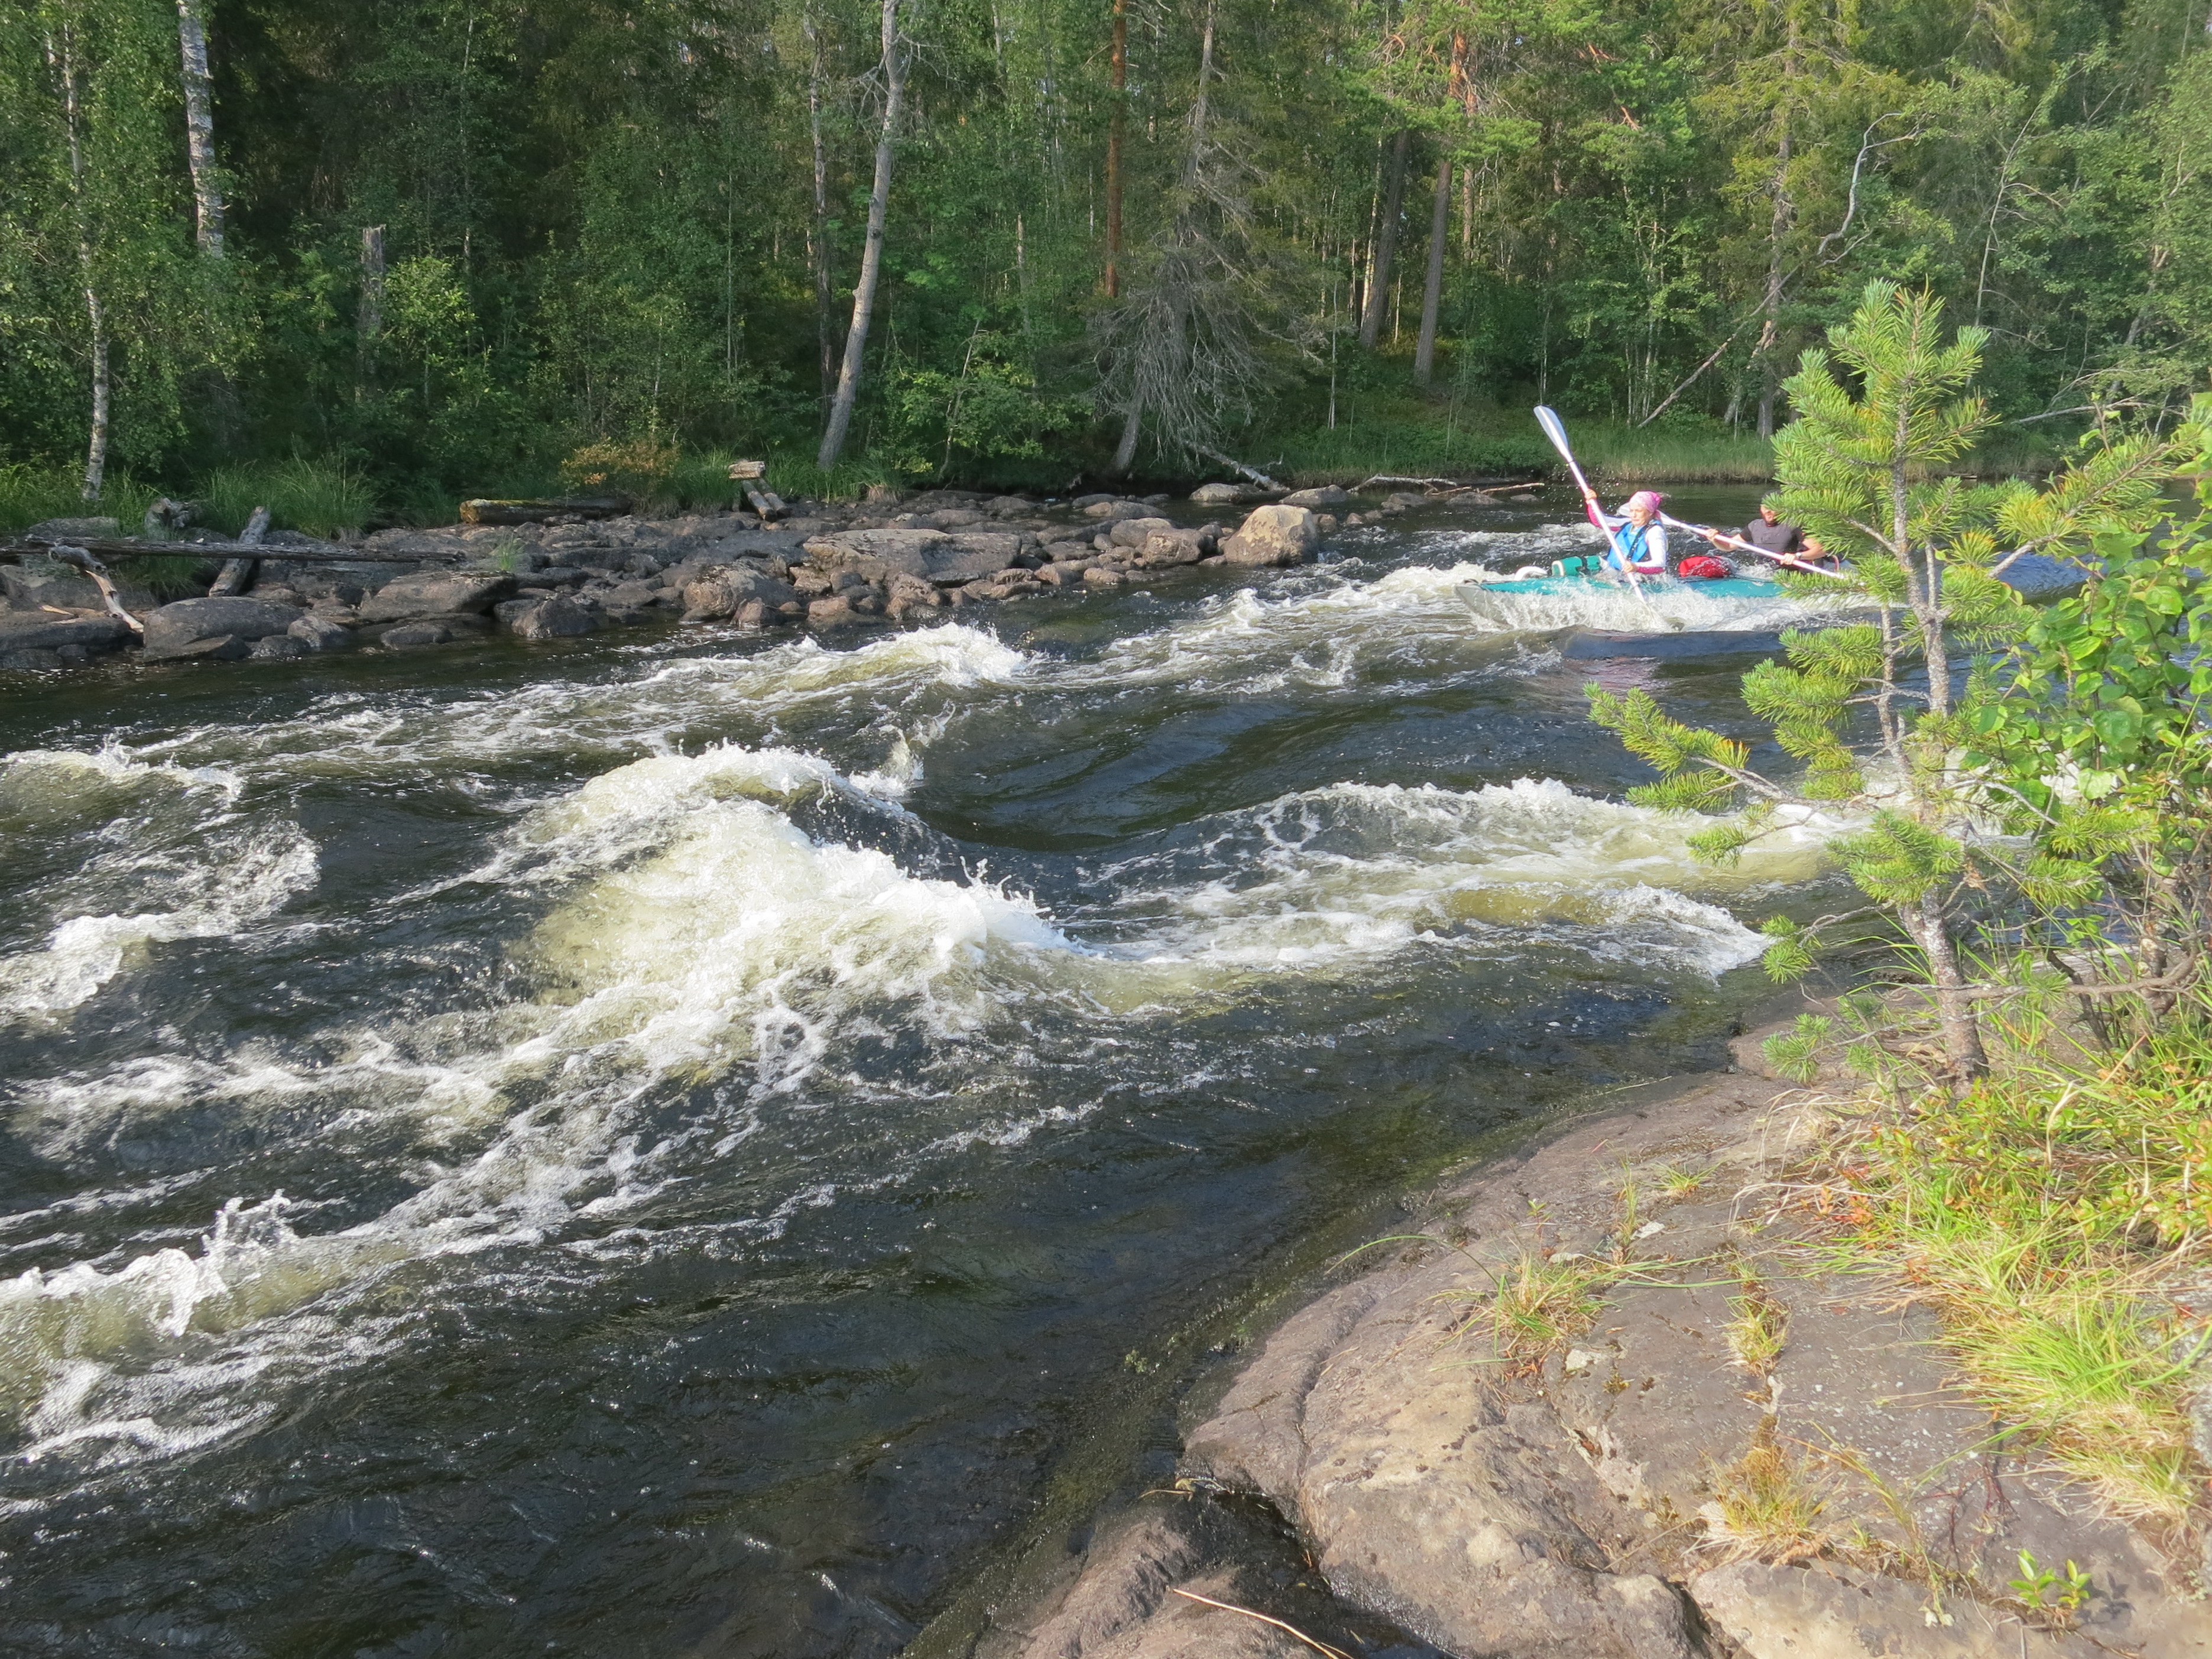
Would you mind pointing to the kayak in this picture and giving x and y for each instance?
(1724, 587)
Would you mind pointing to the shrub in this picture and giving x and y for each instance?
(639, 468)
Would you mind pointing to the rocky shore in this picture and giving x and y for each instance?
(1609, 1401)
(824, 567)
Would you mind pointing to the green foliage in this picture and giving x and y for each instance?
(2055, 737)
(321, 498)
(1795, 1054)
(2042, 1590)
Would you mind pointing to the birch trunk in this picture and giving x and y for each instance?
(199, 128)
(1424, 349)
(871, 255)
(1386, 240)
(1777, 230)
(63, 59)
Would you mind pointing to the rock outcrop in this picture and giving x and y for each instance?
(222, 628)
(1616, 1491)
(439, 594)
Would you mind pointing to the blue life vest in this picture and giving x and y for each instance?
(1632, 540)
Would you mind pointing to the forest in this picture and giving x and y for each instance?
(418, 248)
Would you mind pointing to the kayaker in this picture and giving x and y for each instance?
(1769, 534)
(1635, 532)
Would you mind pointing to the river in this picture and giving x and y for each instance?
(689, 1143)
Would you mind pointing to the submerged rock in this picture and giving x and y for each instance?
(555, 618)
(1325, 496)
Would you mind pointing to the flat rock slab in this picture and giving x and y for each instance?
(41, 630)
(936, 556)
(187, 628)
(1570, 1503)
(436, 593)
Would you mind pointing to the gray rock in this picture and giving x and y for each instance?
(829, 613)
(414, 634)
(436, 593)
(633, 595)
(1217, 494)
(1009, 506)
(43, 582)
(219, 647)
(1134, 532)
(1111, 512)
(1324, 495)
(876, 556)
(1276, 535)
(272, 648)
(41, 630)
(557, 618)
(1177, 545)
(405, 545)
(319, 633)
(29, 661)
(1830, 1612)
(727, 593)
(179, 629)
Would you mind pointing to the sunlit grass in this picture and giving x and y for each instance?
(2049, 1216)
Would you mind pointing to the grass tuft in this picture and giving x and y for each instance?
(1768, 1506)
(1758, 1328)
(2052, 1220)
(1538, 1302)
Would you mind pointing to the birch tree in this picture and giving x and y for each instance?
(872, 254)
(199, 128)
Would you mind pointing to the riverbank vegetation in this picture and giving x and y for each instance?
(440, 248)
(2030, 1155)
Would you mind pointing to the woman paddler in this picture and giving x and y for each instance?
(1634, 534)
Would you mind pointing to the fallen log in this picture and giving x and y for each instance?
(237, 575)
(766, 502)
(285, 553)
(1251, 472)
(578, 506)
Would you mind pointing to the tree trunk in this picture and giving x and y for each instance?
(1425, 349)
(368, 319)
(1125, 453)
(64, 60)
(1962, 1032)
(199, 128)
(871, 255)
(824, 304)
(1116, 122)
(1777, 228)
(1386, 240)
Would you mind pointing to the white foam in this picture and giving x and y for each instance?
(1328, 878)
(167, 851)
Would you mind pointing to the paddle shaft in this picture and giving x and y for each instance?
(1556, 430)
(1717, 537)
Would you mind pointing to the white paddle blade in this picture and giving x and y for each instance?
(1555, 430)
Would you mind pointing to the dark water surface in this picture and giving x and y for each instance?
(682, 1143)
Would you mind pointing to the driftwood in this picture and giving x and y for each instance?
(578, 506)
(1452, 486)
(237, 575)
(77, 559)
(742, 470)
(1251, 472)
(116, 546)
(766, 502)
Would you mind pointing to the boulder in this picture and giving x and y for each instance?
(1134, 533)
(1009, 506)
(1324, 495)
(1275, 535)
(727, 593)
(410, 544)
(29, 661)
(319, 633)
(33, 586)
(1217, 494)
(42, 630)
(437, 594)
(1176, 546)
(876, 556)
(557, 618)
(276, 648)
(633, 595)
(416, 633)
(1110, 511)
(190, 627)
(829, 613)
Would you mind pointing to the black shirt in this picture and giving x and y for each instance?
(1777, 538)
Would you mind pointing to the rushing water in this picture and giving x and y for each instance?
(676, 1143)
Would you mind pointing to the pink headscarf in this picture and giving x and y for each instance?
(1647, 498)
